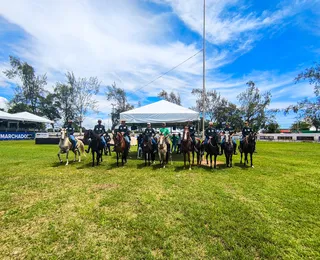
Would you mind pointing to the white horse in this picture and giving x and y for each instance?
(162, 150)
(65, 146)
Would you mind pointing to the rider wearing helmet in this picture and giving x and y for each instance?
(70, 133)
(165, 131)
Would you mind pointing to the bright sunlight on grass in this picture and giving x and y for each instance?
(52, 211)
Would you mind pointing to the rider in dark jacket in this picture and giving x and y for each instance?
(149, 131)
(246, 130)
(125, 131)
(210, 132)
(192, 131)
(100, 130)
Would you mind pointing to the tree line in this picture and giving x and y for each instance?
(76, 97)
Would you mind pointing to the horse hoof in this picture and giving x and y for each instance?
(60, 161)
(189, 169)
(66, 164)
(164, 166)
(252, 166)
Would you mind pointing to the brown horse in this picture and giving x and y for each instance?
(228, 149)
(65, 146)
(186, 146)
(199, 149)
(121, 148)
(162, 150)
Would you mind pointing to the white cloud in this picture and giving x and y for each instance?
(4, 103)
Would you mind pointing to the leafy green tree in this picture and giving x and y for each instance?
(272, 127)
(84, 91)
(300, 125)
(119, 96)
(309, 108)
(49, 107)
(32, 87)
(171, 97)
(64, 96)
(19, 107)
(253, 106)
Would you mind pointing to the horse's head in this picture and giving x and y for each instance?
(227, 137)
(252, 138)
(63, 133)
(87, 134)
(186, 134)
(161, 141)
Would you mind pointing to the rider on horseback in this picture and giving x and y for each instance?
(99, 129)
(70, 133)
(246, 130)
(150, 133)
(229, 130)
(123, 129)
(211, 132)
(192, 131)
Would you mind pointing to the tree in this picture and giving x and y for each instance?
(300, 125)
(253, 106)
(64, 95)
(32, 86)
(212, 102)
(309, 108)
(272, 127)
(83, 91)
(49, 107)
(19, 107)
(171, 97)
(119, 96)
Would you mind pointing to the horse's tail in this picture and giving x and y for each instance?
(81, 146)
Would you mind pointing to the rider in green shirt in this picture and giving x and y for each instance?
(165, 131)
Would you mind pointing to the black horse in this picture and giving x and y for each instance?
(199, 149)
(228, 148)
(107, 148)
(148, 150)
(212, 148)
(95, 145)
(248, 146)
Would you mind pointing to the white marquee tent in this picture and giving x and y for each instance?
(28, 117)
(24, 116)
(7, 116)
(161, 111)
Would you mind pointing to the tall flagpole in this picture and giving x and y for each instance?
(204, 67)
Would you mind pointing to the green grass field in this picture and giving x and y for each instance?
(52, 211)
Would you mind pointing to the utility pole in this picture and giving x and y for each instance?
(204, 67)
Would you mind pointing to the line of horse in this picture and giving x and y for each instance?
(188, 148)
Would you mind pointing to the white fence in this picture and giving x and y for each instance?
(301, 137)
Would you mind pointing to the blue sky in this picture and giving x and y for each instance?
(131, 42)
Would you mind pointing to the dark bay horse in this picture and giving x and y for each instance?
(228, 149)
(199, 149)
(186, 146)
(95, 145)
(248, 147)
(147, 149)
(120, 148)
(212, 150)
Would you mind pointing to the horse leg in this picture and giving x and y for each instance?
(184, 159)
(241, 157)
(59, 156)
(117, 159)
(215, 161)
(67, 155)
(207, 158)
(251, 160)
(145, 159)
(92, 152)
(189, 161)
